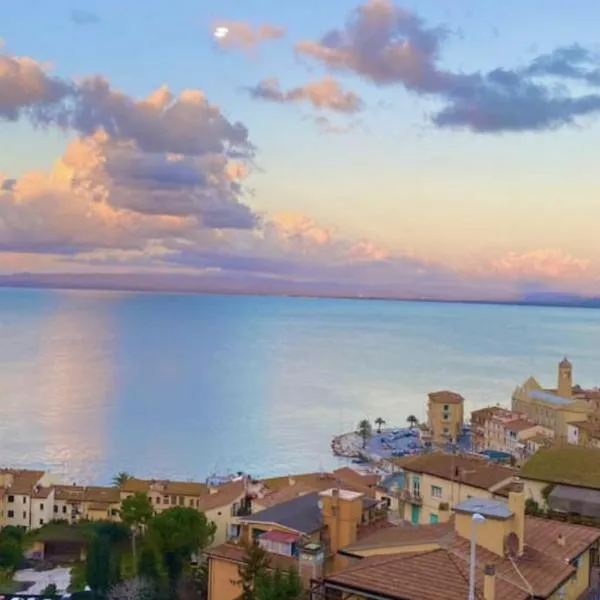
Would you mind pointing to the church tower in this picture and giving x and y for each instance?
(565, 378)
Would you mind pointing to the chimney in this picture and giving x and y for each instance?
(516, 504)
(561, 540)
(489, 582)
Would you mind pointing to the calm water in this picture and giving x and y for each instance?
(183, 386)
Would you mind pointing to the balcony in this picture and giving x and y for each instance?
(243, 510)
(413, 497)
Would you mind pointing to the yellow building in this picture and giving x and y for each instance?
(555, 408)
(445, 416)
(304, 533)
(435, 483)
(164, 494)
(517, 558)
(92, 503)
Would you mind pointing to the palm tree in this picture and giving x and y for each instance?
(412, 421)
(365, 431)
(120, 479)
(380, 422)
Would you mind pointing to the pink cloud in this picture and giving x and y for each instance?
(541, 263)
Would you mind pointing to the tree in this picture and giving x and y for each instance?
(120, 479)
(380, 422)
(50, 590)
(177, 533)
(412, 421)
(136, 512)
(134, 589)
(365, 431)
(253, 571)
(101, 571)
(11, 553)
(279, 585)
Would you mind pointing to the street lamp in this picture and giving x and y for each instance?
(476, 519)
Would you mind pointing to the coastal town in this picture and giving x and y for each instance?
(505, 504)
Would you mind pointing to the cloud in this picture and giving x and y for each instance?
(245, 36)
(541, 264)
(26, 89)
(389, 45)
(324, 94)
(84, 17)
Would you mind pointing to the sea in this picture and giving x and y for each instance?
(181, 386)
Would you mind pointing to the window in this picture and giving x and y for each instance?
(233, 532)
(41, 521)
(166, 500)
(416, 485)
(55, 508)
(114, 512)
(157, 499)
(42, 506)
(64, 509)
(11, 514)
(24, 514)
(445, 430)
(11, 498)
(446, 407)
(436, 491)
(24, 499)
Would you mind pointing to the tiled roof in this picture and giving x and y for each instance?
(318, 482)
(446, 397)
(225, 495)
(23, 480)
(519, 425)
(78, 493)
(440, 573)
(166, 487)
(284, 494)
(568, 464)
(236, 553)
(349, 475)
(470, 470)
(41, 493)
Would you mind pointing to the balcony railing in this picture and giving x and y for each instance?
(413, 497)
(244, 510)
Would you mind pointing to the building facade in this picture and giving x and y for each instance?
(445, 416)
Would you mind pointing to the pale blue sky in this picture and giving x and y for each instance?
(397, 180)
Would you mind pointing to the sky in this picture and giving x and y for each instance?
(420, 149)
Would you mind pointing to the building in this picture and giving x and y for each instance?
(304, 533)
(555, 408)
(445, 416)
(435, 483)
(479, 419)
(564, 478)
(517, 558)
(25, 497)
(164, 494)
(73, 503)
(584, 433)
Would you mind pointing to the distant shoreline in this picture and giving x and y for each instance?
(591, 303)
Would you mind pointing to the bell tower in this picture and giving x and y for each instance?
(565, 378)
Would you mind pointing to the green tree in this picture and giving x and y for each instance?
(101, 571)
(253, 570)
(380, 422)
(365, 431)
(279, 585)
(412, 421)
(120, 479)
(136, 512)
(11, 553)
(50, 590)
(177, 534)
(148, 566)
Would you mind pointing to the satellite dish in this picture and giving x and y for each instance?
(512, 544)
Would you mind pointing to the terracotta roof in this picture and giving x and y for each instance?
(79, 493)
(349, 475)
(470, 470)
(41, 493)
(284, 494)
(166, 487)
(446, 397)
(22, 481)
(568, 464)
(519, 425)
(224, 495)
(236, 553)
(317, 482)
(544, 564)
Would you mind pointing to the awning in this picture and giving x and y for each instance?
(577, 500)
